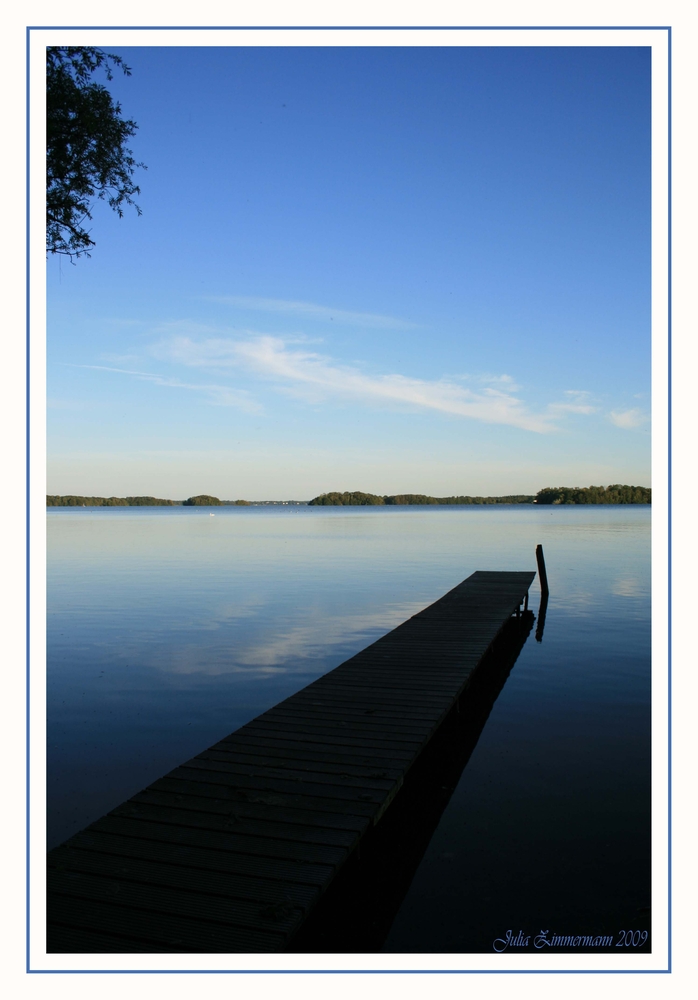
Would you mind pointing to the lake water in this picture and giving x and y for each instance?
(169, 628)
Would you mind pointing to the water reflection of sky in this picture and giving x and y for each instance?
(168, 629)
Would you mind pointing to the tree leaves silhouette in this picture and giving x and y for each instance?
(86, 153)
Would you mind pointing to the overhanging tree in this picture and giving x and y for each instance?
(87, 157)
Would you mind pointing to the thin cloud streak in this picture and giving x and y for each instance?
(220, 395)
(269, 357)
(560, 408)
(313, 311)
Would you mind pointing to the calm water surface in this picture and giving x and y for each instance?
(169, 628)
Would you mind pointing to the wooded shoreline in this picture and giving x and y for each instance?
(615, 494)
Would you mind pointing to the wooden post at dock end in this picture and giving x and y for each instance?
(542, 575)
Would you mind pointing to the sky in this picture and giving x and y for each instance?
(393, 270)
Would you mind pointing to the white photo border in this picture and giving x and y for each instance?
(659, 39)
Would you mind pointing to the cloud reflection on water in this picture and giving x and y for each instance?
(280, 648)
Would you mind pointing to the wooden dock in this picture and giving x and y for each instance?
(232, 851)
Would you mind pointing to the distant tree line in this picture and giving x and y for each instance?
(407, 499)
(403, 499)
(70, 501)
(595, 494)
(203, 500)
(552, 495)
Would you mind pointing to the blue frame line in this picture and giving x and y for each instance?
(348, 27)
(358, 972)
(26, 513)
(670, 501)
(406, 972)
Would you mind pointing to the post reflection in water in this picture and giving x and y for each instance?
(540, 624)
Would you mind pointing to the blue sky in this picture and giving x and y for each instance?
(387, 269)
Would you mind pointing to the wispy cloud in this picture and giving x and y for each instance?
(311, 310)
(628, 419)
(503, 381)
(557, 409)
(577, 402)
(317, 377)
(220, 395)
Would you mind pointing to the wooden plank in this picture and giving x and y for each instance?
(312, 833)
(288, 779)
(196, 780)
(157, 928)
(360, 721)
(164, 899)
(231, 850)
(183, 850)
(274, 791)
(305, 760)
(333, 736)
(371, 756)
(220, 784)
(204, 835)
(346, 709)
(70, 940)
(335, 821)
(153, 870)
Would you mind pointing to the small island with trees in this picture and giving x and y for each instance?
(203, 500)
(594, 494)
